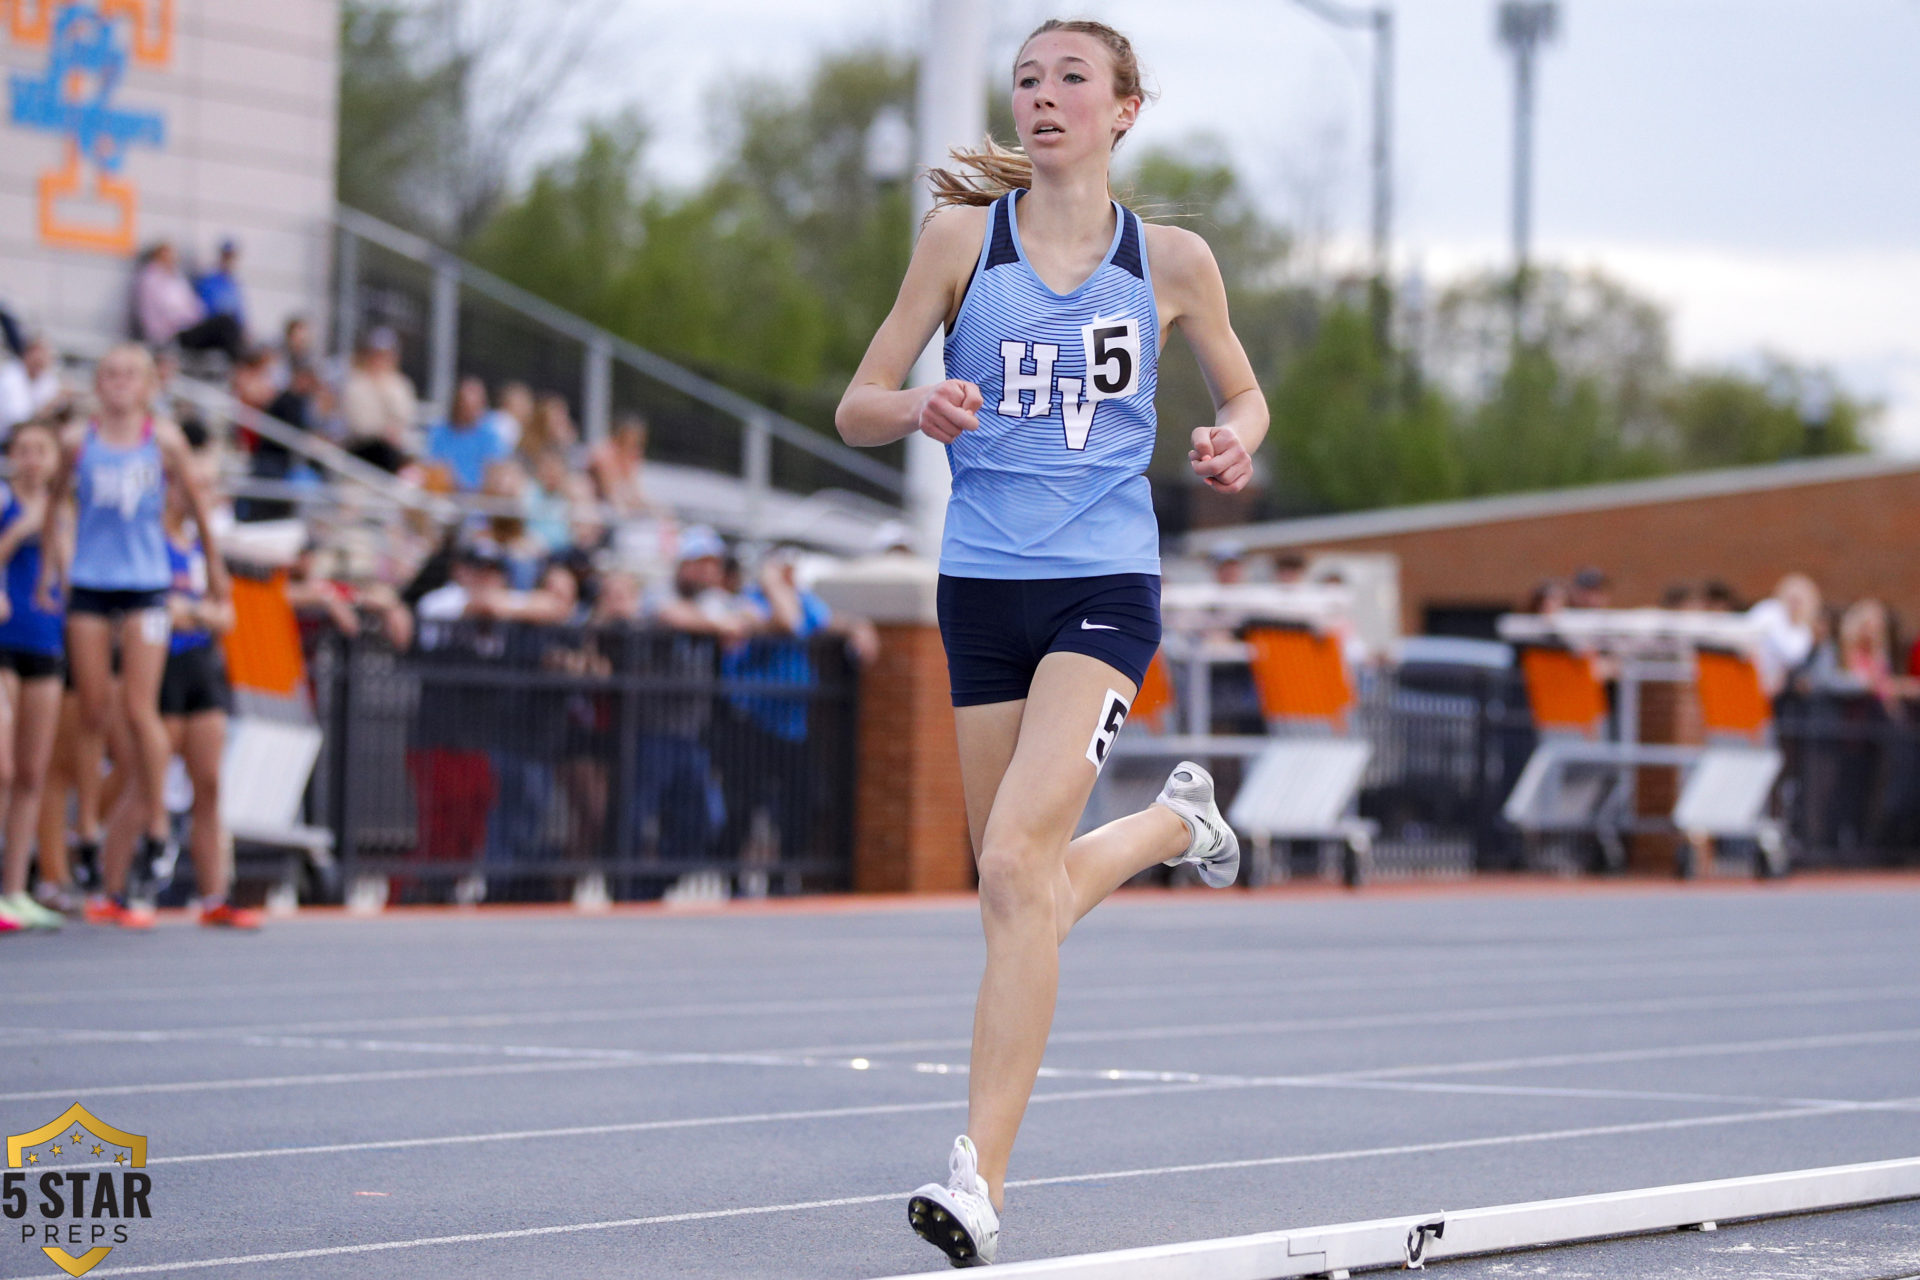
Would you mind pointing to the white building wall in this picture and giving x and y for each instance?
(245, 93)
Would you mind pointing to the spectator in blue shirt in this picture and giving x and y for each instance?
(219, 289)
(767, 764)
(464, 444)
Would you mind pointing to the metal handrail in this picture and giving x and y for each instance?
(732, 403)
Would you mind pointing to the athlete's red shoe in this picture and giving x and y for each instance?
(228, 916)
(104, 910)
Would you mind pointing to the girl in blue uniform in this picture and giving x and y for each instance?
(195, 700)
(113, 561)
(1056, 302)
(31, 664)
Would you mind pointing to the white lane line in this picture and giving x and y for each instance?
(636, 1126)
(18, 1036)
(1351, 1022)
(1406, 1149)
(1422, 1018)
(605, 1059)
(103, 984)
(1148, 1082)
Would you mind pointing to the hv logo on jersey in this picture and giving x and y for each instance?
(1110, 347)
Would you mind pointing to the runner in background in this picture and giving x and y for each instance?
(114, 563)
(31, 664)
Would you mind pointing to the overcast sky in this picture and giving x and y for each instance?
(1754, 164)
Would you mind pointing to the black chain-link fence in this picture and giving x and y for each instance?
(510, 761)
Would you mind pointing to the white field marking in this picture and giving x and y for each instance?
(1510, 974)
(1145, 1083)
(40, 1037)
(1713, 1049)
(1422, 1018)
(636, 1126)
(1421, 1148)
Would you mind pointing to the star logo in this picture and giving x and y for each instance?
(81, 1125)
(98, 1149)
(56, 1151)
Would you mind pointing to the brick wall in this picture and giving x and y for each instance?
(911, 829)
(1856, 537)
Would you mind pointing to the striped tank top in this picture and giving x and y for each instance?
(118, 543)
(1053, 483)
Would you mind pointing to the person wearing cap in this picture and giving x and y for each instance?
(30, 384)
(378, 403)
(1229, 563)
(1591, 590)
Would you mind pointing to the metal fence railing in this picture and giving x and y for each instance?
(514, 761)
(1449, 743)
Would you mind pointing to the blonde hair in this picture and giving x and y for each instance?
(984, 175)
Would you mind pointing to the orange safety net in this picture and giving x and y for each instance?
(1299, 674)
(1155, 697)
(263, 649)
(1563, 691)
(1731, 699)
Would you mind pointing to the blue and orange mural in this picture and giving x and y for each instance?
(86, 200)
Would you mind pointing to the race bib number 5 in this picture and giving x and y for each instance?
(1112, 349)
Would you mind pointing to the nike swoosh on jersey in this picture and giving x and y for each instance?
(1085, 625)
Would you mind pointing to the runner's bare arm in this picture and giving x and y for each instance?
(874, 409)
(1194, 297)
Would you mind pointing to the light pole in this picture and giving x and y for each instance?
(950, 111)
(1377, 19)
(1524, 26)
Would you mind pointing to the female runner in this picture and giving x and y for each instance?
(1056, 302)
(118, 577)
(31, 664)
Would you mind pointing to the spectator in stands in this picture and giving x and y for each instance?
(219, 289)
(1866, 652)
(511, 413)
(1591, 590)
(168, 312)
(505, 531)
(675, 792)
(618, 464)
(379, 404)
(764, 764)
(13, 335)
(1718, 596)
(297, 348)
(1289, 567)
(30, 384)
(552, 428)
(463, 443)
(1229, 563)
(697, 600)
(1548, 597)
(1683, 597)
(1788, 621)
(552, 499)
(323, 602)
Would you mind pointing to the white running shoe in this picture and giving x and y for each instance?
(1214, 849)
(28, 914)
(958, 1219)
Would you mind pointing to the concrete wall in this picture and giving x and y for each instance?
(228, 111)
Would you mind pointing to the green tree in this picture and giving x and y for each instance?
(1342, 436)
(1722, 418)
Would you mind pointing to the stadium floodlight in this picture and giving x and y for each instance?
(1377, 19)
(1524, 26)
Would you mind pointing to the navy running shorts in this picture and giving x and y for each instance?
(996, 630)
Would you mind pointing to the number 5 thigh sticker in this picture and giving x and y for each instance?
(1112, 348)
(1113, 714)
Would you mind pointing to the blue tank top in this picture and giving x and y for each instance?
(1053, 483)
(188, 565)
(27, 629)
(118, 543)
